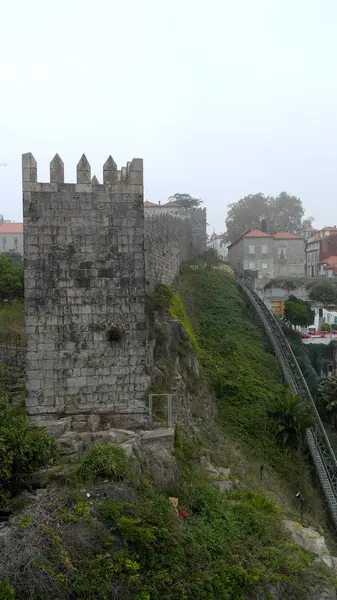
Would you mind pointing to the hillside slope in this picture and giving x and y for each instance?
(246, 381)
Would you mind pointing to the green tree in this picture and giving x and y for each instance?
(245, 214)
(323, 291)
(283, 213)
(292, 418)
(298, 312)
(11, 279)
(210, 258)
(286, 213)
(327, 396)
(185, 200)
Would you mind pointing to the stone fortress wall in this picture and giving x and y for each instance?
(170, 240)
(90, 257)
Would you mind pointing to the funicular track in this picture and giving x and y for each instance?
(321, 452)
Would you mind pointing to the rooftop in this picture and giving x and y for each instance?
(11, 228)
(149, 204)
(255, 232)
(168, 204)
(284, 235)
(331, 260)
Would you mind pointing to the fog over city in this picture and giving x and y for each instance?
(221, 99)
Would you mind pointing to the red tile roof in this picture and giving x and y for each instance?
(147, 203)
(251, 233)
(284, 235)
(331, 260)
(255, 232)
(170, 204)
(11, 228)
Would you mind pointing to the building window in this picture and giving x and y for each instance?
(16, 241)
(251, 249)
(251, 266)
(264, 265)
(282, 252)
(264, 249)
(4, 241)
(320, 312)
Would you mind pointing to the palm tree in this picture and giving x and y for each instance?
(292, 418)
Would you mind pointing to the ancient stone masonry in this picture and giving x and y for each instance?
(170, 240)
(84, 291)
(89, 261)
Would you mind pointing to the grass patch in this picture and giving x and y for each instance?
(103, 460)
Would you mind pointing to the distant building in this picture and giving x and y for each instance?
(268, 256)
(151, 207)
(319, 247)
(11, 237)
(328, 267)
(307, 233)
(218, 244)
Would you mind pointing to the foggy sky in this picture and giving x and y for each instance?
(221, 99)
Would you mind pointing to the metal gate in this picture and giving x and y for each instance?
(160, 407)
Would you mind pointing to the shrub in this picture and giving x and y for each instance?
(111, 510)
(103, 460)
(327, 327)
(160, 297)
(6, 590)
(23, 448)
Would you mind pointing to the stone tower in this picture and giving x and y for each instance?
(84, 292)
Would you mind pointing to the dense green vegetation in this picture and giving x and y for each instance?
(245, 379)
(23, 449)
(135, 547)
(11, 278)
(298, 312)
(324, 291)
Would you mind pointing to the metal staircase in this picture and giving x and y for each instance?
(321, 452)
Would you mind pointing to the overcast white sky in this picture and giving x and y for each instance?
(221, 98)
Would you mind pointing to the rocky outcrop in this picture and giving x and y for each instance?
(312, 541)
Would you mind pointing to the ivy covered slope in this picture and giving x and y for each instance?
(247, 383)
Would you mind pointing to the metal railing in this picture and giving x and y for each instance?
(319, 445)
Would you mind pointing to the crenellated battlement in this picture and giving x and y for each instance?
(131, 174)
(84, 290)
